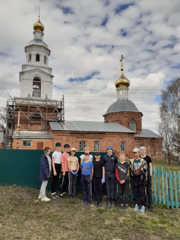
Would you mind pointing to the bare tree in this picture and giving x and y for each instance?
(169, 127)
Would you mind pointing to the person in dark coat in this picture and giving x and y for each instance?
(110, 161)
(44, 174)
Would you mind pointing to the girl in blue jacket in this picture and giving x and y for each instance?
(45, 168)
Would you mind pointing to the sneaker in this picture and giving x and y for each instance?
(151, 209)
(84, 203)
(126, 206)
(53, 196)
(109, 204)
(39, 197)
(57, 196)
(95, 203)
(121, 206)
(45, 199)
(142, 209)
(136, 208)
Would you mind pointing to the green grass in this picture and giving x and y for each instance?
(22, 216)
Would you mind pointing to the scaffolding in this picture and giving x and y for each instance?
(32, 110)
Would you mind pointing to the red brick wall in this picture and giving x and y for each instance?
(1, 145)
(124, 119)
(17, 144)
(153, 146)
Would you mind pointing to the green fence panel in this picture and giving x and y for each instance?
(159, 185)
(175, 190)
(179, 184)
(167, 188)
(171, 189)
(154, 179)
(163, 189)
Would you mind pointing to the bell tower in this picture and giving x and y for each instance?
(35, 78)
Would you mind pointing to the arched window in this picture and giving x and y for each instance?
(132, 125)
(45, 60)
(96, 146)
(29, 57)
(37, 58)
(82, 145)
(36, 87)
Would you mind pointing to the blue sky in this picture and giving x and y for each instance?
(86, 39)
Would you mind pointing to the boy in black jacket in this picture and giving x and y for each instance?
(122, 176)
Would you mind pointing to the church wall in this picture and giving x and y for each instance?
(114, 139)
(153, 146)
(124, 119)
(36, 144)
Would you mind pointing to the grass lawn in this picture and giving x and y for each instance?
(22, 216)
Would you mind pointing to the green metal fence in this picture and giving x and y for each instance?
(21, 167)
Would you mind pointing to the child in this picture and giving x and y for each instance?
(86, 149)
(98, 179)
(122, 176)
(64, 169)
(56, 166)
(148, 186)
(73, 166)
(138, 168)
(44, 174)
(110, 161)
(86, 176)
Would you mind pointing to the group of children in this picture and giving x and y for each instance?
(96, 172)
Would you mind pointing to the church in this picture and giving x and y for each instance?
(35, 120)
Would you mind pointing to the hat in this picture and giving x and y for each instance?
(86, 153)
(97, 154)
(135, 150)
(142, 148)
(58, 144)
(73, 149)
(110, 147)
(66, 146)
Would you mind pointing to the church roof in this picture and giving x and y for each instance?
(37, 42)
(87, 126)
(146, 133)
(122, 106)
(32, 134)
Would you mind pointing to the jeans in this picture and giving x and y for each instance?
(72, 183)
(97, 187)
(42, 193)
(110, 185)
(123, 189)
(63, 183)
(139, 191)
(55, 178)
(85, 181)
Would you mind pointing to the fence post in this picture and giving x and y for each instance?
(179, 186)
(154, 180)
(163, 189)
(167, 188)
(159, 185)
(171, 190)
(175, 188)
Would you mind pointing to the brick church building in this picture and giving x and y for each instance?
(39, 120)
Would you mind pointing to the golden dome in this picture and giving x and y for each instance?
(38, 26)
(122, 82)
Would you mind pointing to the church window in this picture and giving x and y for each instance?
(36, 87)
(123, 146)
(45, 60)
(29, 57)
(132, 125)
(82, 145)
(37, 58)
(96, 146)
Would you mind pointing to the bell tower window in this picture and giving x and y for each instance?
(36, 87)
(132, 125)
(37, 58)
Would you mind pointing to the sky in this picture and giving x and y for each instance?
(86, 39)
